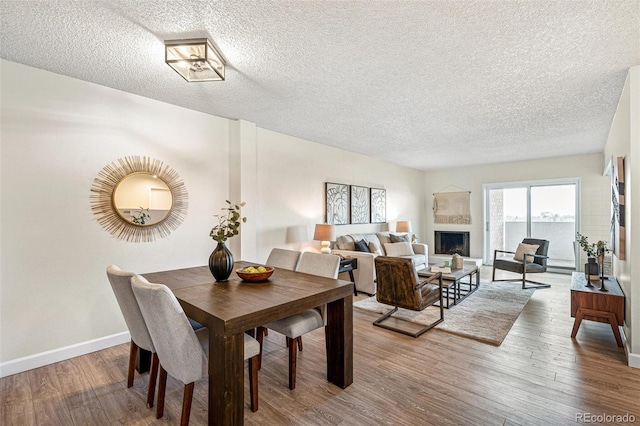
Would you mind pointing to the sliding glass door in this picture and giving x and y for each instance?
(539, 209)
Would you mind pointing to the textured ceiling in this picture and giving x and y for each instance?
(424, 84)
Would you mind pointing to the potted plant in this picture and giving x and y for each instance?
(221, 259)
(594, 251)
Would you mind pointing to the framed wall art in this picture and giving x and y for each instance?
(618, 208)
(378, 205)
(337, 203)
(360, 208)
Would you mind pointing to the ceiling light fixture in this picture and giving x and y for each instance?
(194, 59)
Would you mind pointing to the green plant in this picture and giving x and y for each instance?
(140, 217)
(594, 249)
(229, 223)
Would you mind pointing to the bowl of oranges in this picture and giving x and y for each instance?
(255, 274)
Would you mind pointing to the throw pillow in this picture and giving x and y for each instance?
(362, 246)
(374, 248)
(399, 249)
(525, 249)
(397, 238)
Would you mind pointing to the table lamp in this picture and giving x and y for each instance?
(325, 233)
(403, 226)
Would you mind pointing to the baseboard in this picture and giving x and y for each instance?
(56, 355)
(634, 360)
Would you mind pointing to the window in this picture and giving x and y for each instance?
(539, 209)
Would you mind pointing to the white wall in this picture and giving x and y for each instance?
(291, 174)
(624, 141)
(58, 133)
(595, 208)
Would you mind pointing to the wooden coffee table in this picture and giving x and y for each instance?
(452, 282)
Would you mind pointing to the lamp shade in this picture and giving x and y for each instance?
(194, 59)
(325, 232)
(403, 226)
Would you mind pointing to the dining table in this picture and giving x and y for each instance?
(230, 308)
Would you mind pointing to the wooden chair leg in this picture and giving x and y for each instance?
(253, 382)
(153, 377)
(162, 387)
(186, 404)
(133, 356)
(293, 360)
(299, 343)
(261, 333)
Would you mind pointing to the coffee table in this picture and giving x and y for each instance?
(452, 282)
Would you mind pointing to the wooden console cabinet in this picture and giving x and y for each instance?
(589, 303)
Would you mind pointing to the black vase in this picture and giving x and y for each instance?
(591, 269)
(221, 262)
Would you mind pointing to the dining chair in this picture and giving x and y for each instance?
(140, 338)
(294, 326)
(282, 258)
(181, 350)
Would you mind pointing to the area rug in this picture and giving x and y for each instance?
(486, 315)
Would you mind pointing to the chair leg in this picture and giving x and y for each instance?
(380, 323)
(493, 274)
(293, 360)
(133, 356)
(260, 337)
(299, 343)
(162, 387)
(153, 376)
(186, 404)
(253, 382)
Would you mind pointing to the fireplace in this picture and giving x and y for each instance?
(449, 242)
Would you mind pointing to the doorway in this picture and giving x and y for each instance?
(545, 210)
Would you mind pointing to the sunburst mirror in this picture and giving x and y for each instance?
(139, 199)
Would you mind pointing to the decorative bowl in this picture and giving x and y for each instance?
(255, 277)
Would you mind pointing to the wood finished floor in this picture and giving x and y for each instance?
(538, 376)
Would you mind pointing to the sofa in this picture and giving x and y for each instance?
(378, 244)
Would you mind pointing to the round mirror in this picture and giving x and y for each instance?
(142, 199)
(139, 199)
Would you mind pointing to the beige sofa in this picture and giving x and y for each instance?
(365, 274)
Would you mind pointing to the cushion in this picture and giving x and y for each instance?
(374, 248)
(397, 238)
(361, 246)
(398, 249)
(345, 242)
(383, 237)
(525, 249)
(418, 260)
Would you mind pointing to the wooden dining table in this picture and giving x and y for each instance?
(228, 309)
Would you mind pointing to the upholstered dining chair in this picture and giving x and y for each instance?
(294, 326)
(181, 350)
(282, 258)
(530, 257)
(121, 284)
(400, 286)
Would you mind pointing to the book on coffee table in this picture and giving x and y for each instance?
(443, 269)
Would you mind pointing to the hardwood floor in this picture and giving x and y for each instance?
(538, 376)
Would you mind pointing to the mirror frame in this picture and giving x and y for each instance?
(102, 196)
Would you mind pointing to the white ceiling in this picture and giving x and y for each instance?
(424, 84)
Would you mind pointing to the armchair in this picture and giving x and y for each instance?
(530, 257)
(400, 286)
